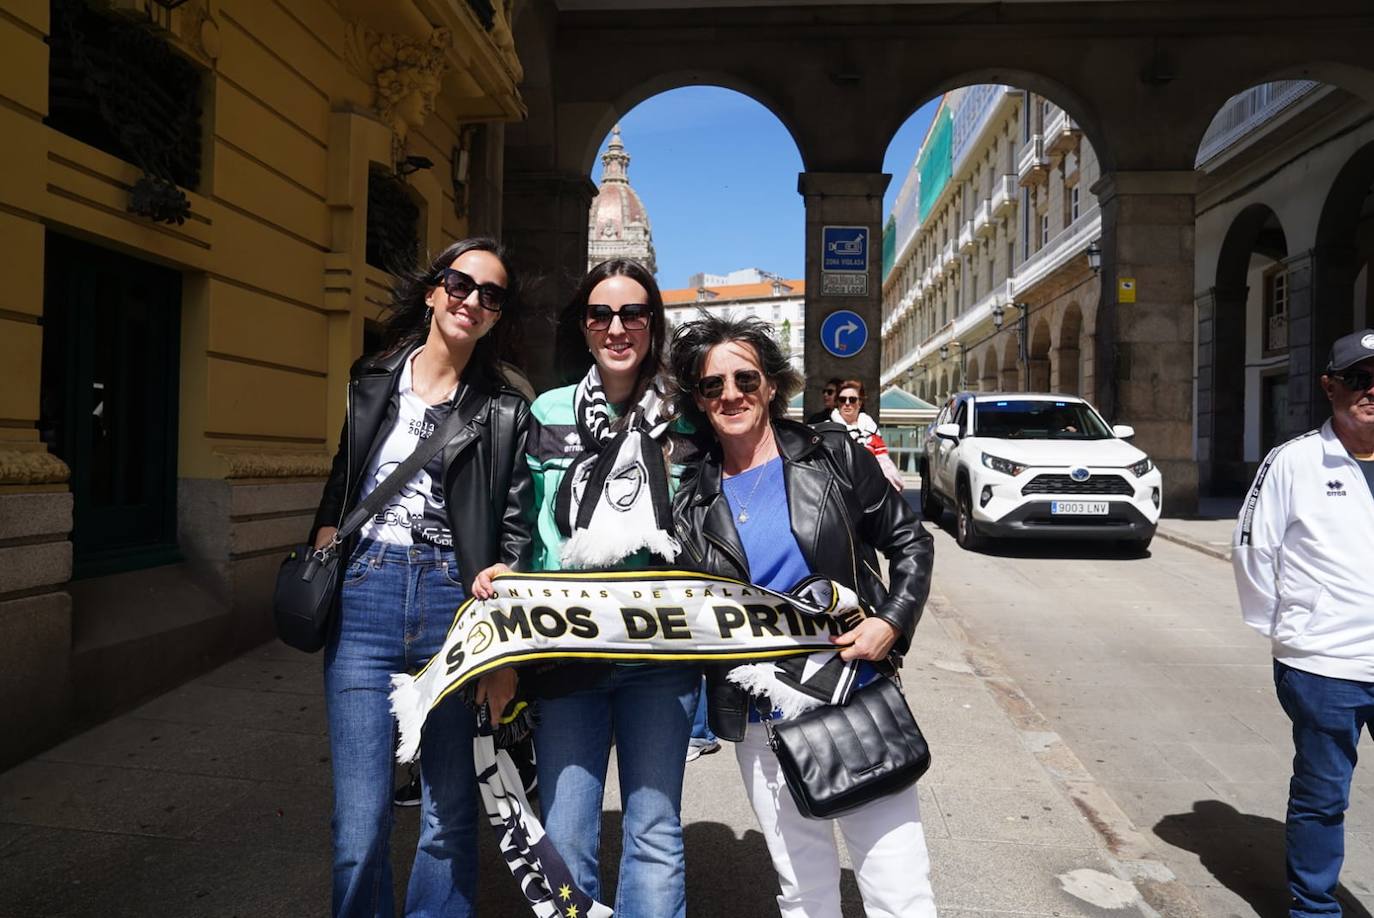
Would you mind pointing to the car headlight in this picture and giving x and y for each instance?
(1005, 466)
(1141, 467)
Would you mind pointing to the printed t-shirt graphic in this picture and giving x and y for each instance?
(418, 514)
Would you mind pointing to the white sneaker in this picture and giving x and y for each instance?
(696, 748)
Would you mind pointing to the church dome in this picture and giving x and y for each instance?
(618, 224)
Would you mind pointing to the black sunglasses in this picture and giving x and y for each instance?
(746, 381)
(827, 391)
(633, 316)
(460, 286)
(848, 399)
(1356, 380)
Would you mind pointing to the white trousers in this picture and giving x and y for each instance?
(885, 840)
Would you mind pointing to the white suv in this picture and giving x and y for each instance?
(1025, 465)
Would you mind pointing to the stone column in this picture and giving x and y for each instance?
(1145, 352)
(1037, 374)
(1220, 388)
(843, 199)
(545, 225)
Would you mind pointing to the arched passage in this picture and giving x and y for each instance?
(1038, 356)
(974, 377)
(1066, 360)
(1345, 250)
(992, 370)
(1243, 321)
(1011, 374)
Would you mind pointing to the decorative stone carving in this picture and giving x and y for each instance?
(251, 464)
(405, 74)
(32, 467)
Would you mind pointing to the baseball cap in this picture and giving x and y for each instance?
(1350, 350)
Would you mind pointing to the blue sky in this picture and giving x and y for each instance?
(718, 175)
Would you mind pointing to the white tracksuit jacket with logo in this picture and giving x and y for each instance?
(1303, 555)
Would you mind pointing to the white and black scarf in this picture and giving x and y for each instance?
(613, 500)
(795, 685)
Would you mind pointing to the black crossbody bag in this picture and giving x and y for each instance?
(836, 758)
(309, 580)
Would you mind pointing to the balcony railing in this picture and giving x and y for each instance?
(982, 219)
(949, 256)
(1003, 195)
(1246, 111)
(1032, 165)
(967, 242)
(1061, 133)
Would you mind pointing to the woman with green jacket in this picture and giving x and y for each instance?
(599, 452)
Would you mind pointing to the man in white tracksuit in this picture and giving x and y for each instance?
(1303, 562)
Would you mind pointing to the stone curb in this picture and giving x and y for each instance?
(1187, 541)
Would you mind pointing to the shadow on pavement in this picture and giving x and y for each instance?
(726, 875)
(1245, 853)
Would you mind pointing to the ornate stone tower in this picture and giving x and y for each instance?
(618, 225)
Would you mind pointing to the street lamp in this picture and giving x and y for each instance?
(944, 352)
(997, 313)
(1094, 254)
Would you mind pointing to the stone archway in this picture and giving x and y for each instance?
(1038, 356)
(973, 379)
(1251, 289)
(1066, 359)
(1011, 374)
(1343, 261)
(992, 370)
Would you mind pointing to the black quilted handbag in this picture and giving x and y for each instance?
(836, 758)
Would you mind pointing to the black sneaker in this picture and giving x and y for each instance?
(408, 794)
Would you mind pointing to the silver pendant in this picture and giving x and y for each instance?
(743, 516)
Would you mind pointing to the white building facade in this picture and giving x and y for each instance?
(990, 286)
(779, 302)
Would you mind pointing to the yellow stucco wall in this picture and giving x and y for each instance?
(275, 287)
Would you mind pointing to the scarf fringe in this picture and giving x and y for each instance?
(409, 709)
(603, 547)
(761, 679)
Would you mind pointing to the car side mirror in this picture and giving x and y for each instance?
(948, 430)
(1124, 431)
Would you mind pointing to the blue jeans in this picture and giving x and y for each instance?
(701, 727)
(398, 603)
(649, 711)
(1328, 716)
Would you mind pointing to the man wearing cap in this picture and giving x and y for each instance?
(1302, 558)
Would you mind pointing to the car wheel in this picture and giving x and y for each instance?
(968, 539)
(931, 508)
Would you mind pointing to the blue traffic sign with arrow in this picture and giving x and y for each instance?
(844, 333)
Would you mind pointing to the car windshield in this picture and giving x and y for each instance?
(1039, 419)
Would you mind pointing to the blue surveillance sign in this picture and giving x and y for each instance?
(844, 333)
(845, 248)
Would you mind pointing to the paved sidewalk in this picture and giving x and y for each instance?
(213, 800)
(1209, 536)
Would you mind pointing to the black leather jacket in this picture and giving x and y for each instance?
(843, 511)
(487, 486)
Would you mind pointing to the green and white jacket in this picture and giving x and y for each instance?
(552, 446)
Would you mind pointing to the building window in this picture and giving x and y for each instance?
(1044, 230)
(1073, 203)
(393, 223)
(1276, 311)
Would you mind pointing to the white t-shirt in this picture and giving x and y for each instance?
(417, 514)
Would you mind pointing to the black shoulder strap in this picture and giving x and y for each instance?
(425, 450)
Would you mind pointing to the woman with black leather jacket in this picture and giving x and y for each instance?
(408, 568)
(770, 502)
